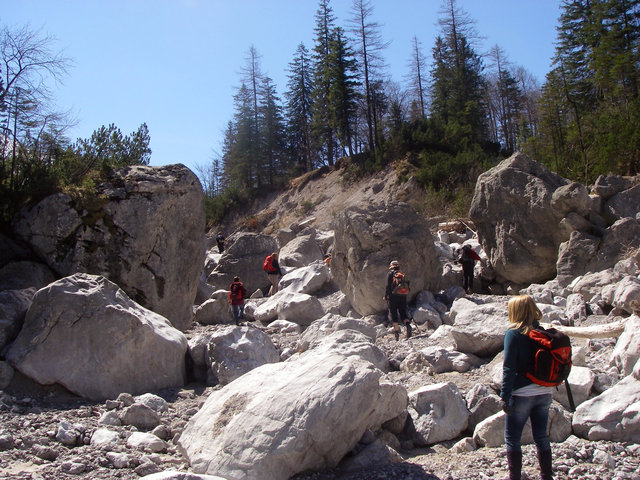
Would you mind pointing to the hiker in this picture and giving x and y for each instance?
(220, 241)
(468, 259)
(395, 295)
(521, 398)
(327, 259)
(237, 294)
(274, 273)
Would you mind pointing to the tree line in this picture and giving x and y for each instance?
(455, 116)
(460, 114)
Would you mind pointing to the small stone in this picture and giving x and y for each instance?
(45, 453)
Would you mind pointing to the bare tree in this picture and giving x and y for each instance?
(417, 75)
(369, 52)
(28, 66)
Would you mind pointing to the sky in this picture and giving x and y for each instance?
(176, 64)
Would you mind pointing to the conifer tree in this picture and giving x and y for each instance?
(457, 89)
(323, 133)
(272, 136)
(342, 90)
(298, 109)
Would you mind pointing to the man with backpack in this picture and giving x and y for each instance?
(396, 292)
(237, 294)
(272, 268)
(468, 259)
(220, 240)
(523, 395)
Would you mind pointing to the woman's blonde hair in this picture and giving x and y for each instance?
(523, 312)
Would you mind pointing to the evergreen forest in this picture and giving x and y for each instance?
(452, 118)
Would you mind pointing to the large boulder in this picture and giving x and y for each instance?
(624, 204)
(367, 239)
(244, 257)
(307, 279)
(301, 251)
(25, 274)
(439, 413)
(512, 210)
(584, 252)
(143, 230)
(233, 351)
(294, 416)
(612, 415)
(84, 333)
(13, 308)
(478, 329)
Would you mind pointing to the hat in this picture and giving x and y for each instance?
(394, 264)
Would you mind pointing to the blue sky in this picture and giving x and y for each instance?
(175, 64)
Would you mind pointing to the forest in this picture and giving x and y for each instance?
(455, 117)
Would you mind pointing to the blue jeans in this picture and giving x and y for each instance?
(537, 409)
(238, 312)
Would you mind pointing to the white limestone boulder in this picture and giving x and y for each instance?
(626, 353)
(439, 413)
(295, 416)
(300, 251)
(215, 310)
(233, 351)
(478, 329)
(84, 333)
(581, 381)
(627, 295)
(307, 279)
(613, 415)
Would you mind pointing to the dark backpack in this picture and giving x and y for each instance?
(400, 284)
(236, 291)
(464, 255)
(552, 361)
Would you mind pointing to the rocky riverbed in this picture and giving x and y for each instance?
(47, 434)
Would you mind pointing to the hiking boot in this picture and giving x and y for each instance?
(397, 334)
(408, 330)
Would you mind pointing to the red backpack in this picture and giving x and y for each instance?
(268, 264)
(400, 284)
(552, 361)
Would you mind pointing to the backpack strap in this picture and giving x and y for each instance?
(572, 404)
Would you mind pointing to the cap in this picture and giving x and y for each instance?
(394, 263)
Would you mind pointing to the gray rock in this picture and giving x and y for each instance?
(13, 308)
(367, 239)
(84, 333)
(143, 231)
(512, 209)
(295, 415)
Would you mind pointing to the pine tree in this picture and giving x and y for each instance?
(457, 89)
(299, 107)
(272, 136)
(342, 90)
(323, 133)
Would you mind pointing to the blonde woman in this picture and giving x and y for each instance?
(521, 398)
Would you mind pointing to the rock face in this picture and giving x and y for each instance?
(144, 231)
(244, 256)
(294, 416)
(512, 209)
(84, 333)
(367, 239)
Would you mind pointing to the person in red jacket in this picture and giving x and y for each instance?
(272, 268)
(237, 294)
(468, 260)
